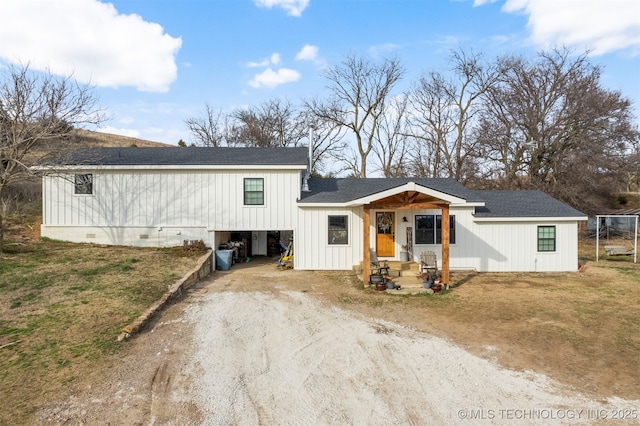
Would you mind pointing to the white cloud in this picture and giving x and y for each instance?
(307, 53)
(293, 7)
(90, 40)
(271, 78)
(261, 64)
(601, 26)
(273, 60)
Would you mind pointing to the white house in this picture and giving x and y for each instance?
(163, 196)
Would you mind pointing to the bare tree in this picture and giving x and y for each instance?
(275, 122)
(328, 143)
(210, 129)
(443, 112)
(37, 113)
(549, 124)
(358, 90)
(392, 139)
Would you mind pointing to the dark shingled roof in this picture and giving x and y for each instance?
(498, 204)
(505, 204)
(189, 156)
(341, 190)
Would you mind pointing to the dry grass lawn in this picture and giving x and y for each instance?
(62, 307)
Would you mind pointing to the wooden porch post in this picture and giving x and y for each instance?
(445, 244)
(366, 258)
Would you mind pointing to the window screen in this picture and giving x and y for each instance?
(253, 191)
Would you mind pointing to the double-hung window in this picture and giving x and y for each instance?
(253, 191)
(546, 238)
(429, 229)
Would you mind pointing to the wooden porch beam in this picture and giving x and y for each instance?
(405, 199)
(445, 244)
(399, 206)
(366, 236)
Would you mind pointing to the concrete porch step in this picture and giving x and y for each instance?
(396, 268)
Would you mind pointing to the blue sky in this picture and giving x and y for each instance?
(156, 63)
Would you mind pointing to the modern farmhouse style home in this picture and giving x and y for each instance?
(259, 198)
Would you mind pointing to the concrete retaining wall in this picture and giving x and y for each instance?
(204, 268)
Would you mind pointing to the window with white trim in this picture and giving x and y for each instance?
(546, 238)
(83, 184)
(253, 191)
(338, 230)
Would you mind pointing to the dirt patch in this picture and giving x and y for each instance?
(260, 346)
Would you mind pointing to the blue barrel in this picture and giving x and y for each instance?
(224, 259)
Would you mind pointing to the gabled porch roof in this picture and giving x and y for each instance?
(399, 192)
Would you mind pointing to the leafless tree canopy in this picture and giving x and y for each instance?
(443, 113)
(37, 112)
(549, 124)
(545, 122)
(208, 130)
(391, 141)
(358, 90)
(273, 123)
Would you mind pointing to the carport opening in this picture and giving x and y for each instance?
(247, 245)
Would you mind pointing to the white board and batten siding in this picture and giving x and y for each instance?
(312, 248)
(483, 246)
(513, 246)
(501, 245)
(165, 207)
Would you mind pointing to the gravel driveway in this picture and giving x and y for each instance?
(234, 354)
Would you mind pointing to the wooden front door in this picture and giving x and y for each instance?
(385, 234)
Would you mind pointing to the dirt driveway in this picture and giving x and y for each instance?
(261, 346)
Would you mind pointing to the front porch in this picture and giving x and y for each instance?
(379, 229)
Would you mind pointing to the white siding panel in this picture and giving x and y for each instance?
(512, 247)
(311, 240)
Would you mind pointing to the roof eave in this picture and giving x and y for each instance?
(529, 219)
(167, 167)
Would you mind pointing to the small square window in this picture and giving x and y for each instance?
(83, 184)
(253, 192)
(546, 238)
(338, 230)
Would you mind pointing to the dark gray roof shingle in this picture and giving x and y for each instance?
(498, 204)
(189, 156)
(525, 203)
(341, 190)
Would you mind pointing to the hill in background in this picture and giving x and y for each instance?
(96, 139)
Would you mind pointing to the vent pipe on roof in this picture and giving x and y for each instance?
(305, 181)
